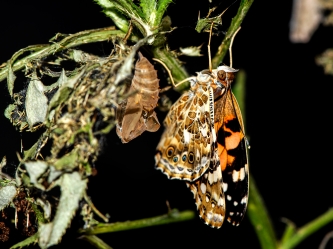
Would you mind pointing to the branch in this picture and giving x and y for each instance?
(84, 37)
(235, 24)
(305, 231)
(173, 216)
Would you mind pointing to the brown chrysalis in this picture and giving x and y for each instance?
(136, 114)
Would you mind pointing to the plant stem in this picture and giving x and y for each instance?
(178, 72)
(256, 209)
(307, 230)
(84, 37)
(173, 216)
(235, 24)
(95, 241)
(260, 219)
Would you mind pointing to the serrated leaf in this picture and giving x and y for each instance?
(119, 20)
(35, 103)
(26, 242)
(64, 91)
(54, 174)
(72, 190)
(10, 79)
(7, 194)
(35, 170)
(191, 51)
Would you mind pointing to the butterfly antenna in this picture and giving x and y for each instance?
(230, 47)
(170, 75)
(209, 55)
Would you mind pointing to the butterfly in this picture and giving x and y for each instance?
(204, 144)
(136, 114)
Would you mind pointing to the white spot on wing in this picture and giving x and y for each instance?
(220, 202)
(203, 132)
(210, 178)
(242, 174)
(229, 198)
(235, 203)
(203, 160)
(203, 188)
(225, 187)
(244, 200)
(238, 175)
(186, 137)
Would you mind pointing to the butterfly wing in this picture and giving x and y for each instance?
(233, 156)
(209, 196)
(187, 144)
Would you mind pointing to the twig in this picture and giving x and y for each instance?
(173, 216)
(235, 24)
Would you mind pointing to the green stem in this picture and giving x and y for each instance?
(307, 230)
(173, 216)
(95, 241)
(235, 24)
(260, 219)
(89, 36)
(178, 72)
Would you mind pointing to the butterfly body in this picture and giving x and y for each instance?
(204, 144)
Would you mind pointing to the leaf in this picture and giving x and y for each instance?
(119, 20)
(64, 91)
(35, 170)
(10, 79)
(72, 190)
(35, 103)
(26, 242)
(68, 161)
(7, 194)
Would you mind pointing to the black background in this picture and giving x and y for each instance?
(287, 114)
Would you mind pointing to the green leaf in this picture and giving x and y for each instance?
(35, 170)
(67, 162)
(119, 20)
(10, 79)
(161, 8)
(35, 103)
(7, 194)
(64, 91)
(72, 190)
(28, 241)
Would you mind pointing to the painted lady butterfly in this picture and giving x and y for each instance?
(204, 144)
(136, 114)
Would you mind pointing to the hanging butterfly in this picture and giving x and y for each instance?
(204, 144)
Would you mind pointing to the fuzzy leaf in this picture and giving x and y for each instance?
(72, 190)
(7, 194)
(35, 170)
(26, 242)
(64, 91)
(119, 20)
(10, 79)
(35, 103)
